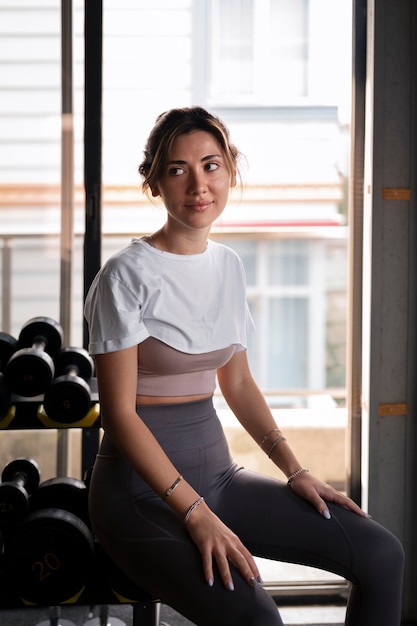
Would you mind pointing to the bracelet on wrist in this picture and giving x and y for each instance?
(295, 474)
(266, 437)
(173, 486)
(276, 442)
(191, 509)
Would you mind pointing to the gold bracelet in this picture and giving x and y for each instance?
(173, 486)
(295, 474)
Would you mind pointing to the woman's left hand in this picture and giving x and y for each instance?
(319, 493)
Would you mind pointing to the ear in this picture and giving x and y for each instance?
(155, 191)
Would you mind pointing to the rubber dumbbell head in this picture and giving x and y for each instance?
(68, 398)
(51, 557)
(8, 346)
(20, 478)
(63, 492)
(5, 396)
(31, 369)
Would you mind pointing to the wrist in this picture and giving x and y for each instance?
(296, 474)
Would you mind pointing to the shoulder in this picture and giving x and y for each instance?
(135, 255)
(225, 257)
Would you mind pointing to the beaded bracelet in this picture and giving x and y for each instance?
(295, 474)
(173, 486)
(191, 509)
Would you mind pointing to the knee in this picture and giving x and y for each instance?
(388, 553)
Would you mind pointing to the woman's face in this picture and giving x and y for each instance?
(195, 184)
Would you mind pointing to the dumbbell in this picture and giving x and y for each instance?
(20, 479)
(31, 369)
(63, 492)
(8, 346)
(68, 398)
(51, 552)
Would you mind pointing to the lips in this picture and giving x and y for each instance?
(199, 206)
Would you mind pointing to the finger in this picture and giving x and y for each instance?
(348, 503)
(225, 574)
(321, 506)
(253, 575)
(208, 569)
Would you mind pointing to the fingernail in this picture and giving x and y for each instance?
(230, 586)
(260, 581)
(210, 582)
(326, 514)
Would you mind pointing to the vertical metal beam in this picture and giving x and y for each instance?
(354, 339)
(389, 433)
(6, 281)
(67, 203)
(410, 491)
(93, 27)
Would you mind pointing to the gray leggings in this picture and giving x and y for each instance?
(148, 541)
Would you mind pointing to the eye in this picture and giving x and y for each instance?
(211, 167)
(175, 171)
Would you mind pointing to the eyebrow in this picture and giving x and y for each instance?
(203, 160)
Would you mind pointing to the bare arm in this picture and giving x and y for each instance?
(250, 407)
(117, 381)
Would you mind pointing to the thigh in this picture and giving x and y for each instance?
(273, 522)
(152, 547)
(150, 544)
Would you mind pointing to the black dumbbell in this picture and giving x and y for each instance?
(68, 398)
(20, 478)
(63, 492)
(31, 369)
(51, 553)
(8, 346)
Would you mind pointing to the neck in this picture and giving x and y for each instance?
(179, 243)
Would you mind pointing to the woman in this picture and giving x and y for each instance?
(166, 315)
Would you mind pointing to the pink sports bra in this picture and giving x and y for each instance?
(164, 371)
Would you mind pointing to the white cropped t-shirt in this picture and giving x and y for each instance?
(193, 304)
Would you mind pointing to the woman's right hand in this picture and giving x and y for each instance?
(216, 541)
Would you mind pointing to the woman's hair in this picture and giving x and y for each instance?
(168, 127)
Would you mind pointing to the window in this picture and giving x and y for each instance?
(258, 51)
(296, 293)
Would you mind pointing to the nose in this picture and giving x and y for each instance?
(197, 182)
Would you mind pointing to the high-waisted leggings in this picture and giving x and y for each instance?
(148, 541)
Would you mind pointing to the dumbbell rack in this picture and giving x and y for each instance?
(28, 413)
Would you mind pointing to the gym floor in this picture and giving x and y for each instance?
(122, 615)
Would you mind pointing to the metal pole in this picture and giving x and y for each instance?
(354, 339)
(67, 203)
(92, 175)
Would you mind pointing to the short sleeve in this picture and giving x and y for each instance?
(113, 314)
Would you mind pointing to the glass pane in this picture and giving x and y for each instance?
(288, 262)
(232, 60)
(288, 46)
(288, 343)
